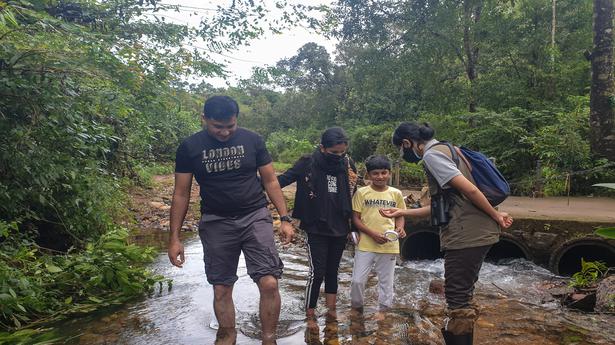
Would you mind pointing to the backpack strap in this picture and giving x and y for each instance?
(456, 156)
(454, 153)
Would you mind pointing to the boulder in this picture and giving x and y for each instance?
(605, 295)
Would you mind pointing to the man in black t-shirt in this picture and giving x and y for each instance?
(224, 159)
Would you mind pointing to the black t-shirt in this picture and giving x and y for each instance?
(226, 171)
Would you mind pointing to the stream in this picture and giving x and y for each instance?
(515, 308)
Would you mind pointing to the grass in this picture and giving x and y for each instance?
(281, 167)
(147, 172)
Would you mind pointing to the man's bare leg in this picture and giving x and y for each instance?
(269, 308)
(225, 313)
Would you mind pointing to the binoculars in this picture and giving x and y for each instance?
(439, 210)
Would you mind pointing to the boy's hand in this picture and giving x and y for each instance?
(401, 232)
(378, 237)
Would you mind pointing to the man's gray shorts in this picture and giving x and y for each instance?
(224, 238)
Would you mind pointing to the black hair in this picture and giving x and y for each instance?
(412, 131)
(377, 162)
(220, 108)
(333, 136)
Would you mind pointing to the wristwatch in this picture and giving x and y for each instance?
(286, 218)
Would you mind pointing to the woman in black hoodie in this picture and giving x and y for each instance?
(326, 180)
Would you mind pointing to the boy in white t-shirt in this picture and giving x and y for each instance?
(378, 241)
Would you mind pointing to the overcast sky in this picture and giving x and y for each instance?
(261, 52)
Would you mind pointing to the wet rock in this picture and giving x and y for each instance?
(436, 286)
(585, 301)
(430, 310)
(559, 290)
(484, 324)
(605, 295)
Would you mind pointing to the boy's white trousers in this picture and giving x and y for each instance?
(384, 265)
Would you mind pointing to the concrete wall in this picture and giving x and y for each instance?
(557, 245)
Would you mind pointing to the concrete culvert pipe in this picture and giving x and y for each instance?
(421, 245)
(566, 260)
(508, 248)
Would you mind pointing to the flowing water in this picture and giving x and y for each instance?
(515, 309)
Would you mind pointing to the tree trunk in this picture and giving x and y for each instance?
(550, 92)
(601, 115)
(553, 22)
(471, 16)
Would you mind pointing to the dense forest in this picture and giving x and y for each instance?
(95, 93)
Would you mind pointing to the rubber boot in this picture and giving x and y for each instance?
(459, 326)
(461, 339)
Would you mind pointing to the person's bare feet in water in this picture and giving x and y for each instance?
(226, 336)
(312, 332)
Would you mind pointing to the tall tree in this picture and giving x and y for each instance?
(471, 15)
(602, 116)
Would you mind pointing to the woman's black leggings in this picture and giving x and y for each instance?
(324, 255)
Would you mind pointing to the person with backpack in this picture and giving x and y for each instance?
(326, 180)
(469, 225)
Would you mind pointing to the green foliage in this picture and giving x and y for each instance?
(82, 100)
(30, 336)
(408, 61)
(372, 139)
(287, 147)
(563, 143)
(416, 53)
(146, 173)
(590, 272)
(519, 138)
(412, 175)
(554, 184)
(281, 167)
(37, 286)
(608, 233)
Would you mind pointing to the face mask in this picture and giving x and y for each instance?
(409, 155)
(416, 154)
(333, 158)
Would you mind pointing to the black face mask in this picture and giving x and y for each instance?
(409, 155)
(333, 158)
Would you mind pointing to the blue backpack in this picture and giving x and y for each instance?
(487, 177)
